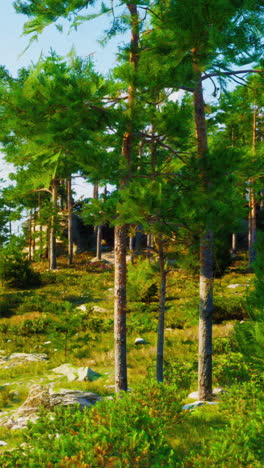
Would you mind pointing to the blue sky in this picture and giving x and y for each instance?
(84, 40)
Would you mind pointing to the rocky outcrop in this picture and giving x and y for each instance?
(45, 397)
(76, 373)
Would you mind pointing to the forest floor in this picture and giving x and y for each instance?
(70, 319)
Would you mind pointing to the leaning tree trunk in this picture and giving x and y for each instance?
(52, 233)
(206, 250)
(121, 231)
(69, 208)
(162, 302)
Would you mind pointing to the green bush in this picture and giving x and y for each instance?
(131, 432)
(15, 269)
(238, 441)
(250, 334)
(142, 282)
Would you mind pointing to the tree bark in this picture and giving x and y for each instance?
(52, 234)
(234, 244)
(252, 217)
(131, 248)
(162, 302)
(120, 231)
(30, 236)
(120, 309)
(99, 243)
(69, 208)
(206, 249)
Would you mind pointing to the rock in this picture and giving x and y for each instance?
(2, 443)
(99, 309)
(82, 307)
(47, 342)
(140, 341)
(80, 373)
(85, 373)
(28, 357)
(45, 397)
(234, 286)
(67, 397)
(68, 370)
(38, 396)
(216, 392)
(198, 403)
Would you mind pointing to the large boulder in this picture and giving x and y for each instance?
(40, 396)
(76, 373)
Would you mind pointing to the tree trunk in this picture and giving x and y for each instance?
(52, 234)
(120, 231)
(206, 250)
(131, 248)
(120, 309)
(34, 233)
(99, 243)
(234, 244)
(30, 236)
(162, 302)
(252, 217)
(69, 207)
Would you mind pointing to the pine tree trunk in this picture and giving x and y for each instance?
(34, 233)
(120, 309)
(120, 231)
(52, 234)
(252, 217)
(99, 243)
(206, 250)
(162, 302)
(131, 248)
(234, 244)
(69, 207)
(30, 236)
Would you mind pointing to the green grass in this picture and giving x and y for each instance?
(89, 342)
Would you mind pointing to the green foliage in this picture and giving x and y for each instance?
(238, 439)
(142, 282)
(250, 334)
(130, 431)
(15, 269)
(183, 374)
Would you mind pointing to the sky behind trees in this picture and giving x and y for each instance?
(85, 42)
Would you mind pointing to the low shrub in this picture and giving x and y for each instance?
(15, 269)
(142, 282)
(130, 431)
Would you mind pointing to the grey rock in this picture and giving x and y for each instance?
(215, 392)
(140, 341)
(82, 307)
(99, 309)
(67, 397)
(45, 397)
(47, 342)
(74, 373)
(234, 286)
(68, 370)
(38, 396)
(2, 443)
(198, 403)
(86, 373)
(35, 357)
